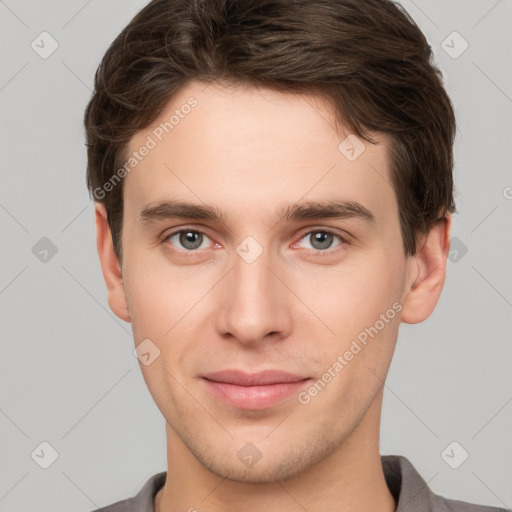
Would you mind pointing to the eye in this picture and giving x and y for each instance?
(187, 239)
(192, 240)
(320, 240)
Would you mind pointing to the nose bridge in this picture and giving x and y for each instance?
(252, 303)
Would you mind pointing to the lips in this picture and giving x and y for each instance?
(263, 378)
(253, 391)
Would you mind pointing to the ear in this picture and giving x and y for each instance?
(110, 265)
(428, 272)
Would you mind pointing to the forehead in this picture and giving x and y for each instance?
(253, 149)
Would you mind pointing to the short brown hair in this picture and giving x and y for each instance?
(368, 58)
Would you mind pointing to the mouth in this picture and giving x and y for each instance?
(253, 391)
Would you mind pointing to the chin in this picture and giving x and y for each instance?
(272, 466)
(259, 474)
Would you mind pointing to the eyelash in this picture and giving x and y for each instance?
(329, 250)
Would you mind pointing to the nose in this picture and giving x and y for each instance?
(254, 302)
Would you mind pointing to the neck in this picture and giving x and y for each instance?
(350, 479)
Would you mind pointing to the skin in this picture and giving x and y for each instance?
(250, 152)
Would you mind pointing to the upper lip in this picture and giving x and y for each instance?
(241, 378)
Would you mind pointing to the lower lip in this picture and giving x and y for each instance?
(254, 397)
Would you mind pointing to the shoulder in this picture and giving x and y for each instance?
(413, 494)
(118, 506)
(143, 501)
(440, 504)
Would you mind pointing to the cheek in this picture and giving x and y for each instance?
(163, 307)
(361, 306)
(350, 298)
(150, 306)
(159, 296)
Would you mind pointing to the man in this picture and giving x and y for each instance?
(273, 186)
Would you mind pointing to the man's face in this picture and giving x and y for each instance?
(255, 291)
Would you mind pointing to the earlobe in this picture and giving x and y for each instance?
(427, 280)
(110, 265)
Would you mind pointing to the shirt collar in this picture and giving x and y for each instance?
(408, 488)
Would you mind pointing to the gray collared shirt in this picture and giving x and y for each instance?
(410, 491)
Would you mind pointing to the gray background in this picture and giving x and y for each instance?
(68, 374)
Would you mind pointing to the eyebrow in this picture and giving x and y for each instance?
(339, 209)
